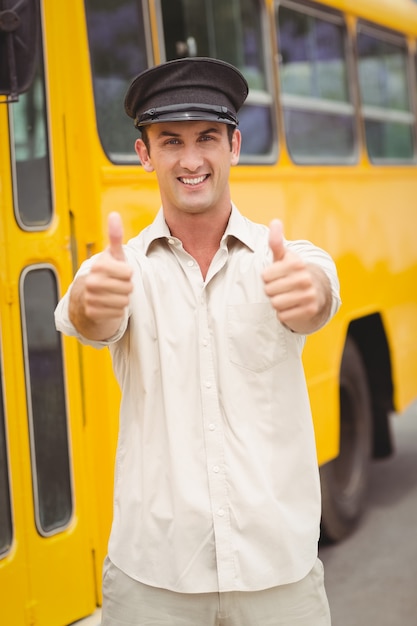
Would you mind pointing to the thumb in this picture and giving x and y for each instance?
(115, 230)
(276, 240)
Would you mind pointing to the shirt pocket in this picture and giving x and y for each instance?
(256, 339)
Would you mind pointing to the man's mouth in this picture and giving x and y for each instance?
(193, 181)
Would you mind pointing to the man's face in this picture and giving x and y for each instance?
(192, 161)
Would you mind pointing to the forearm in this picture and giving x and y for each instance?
(315, 310)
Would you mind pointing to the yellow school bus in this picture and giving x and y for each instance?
(329, 146)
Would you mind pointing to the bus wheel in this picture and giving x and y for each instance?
(344, 480)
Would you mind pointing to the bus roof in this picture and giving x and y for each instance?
(400, 15)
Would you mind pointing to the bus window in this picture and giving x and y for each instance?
(6, 531)
(118, 42)
(385, 98)
(46, 401)
(318, 111)
(30, 155)
(232, 31)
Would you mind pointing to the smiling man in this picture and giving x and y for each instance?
(217, 495)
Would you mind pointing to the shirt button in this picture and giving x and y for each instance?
(208, 384)
(205, 342)
(220, 512)
(216, 469)
(212, 427)
(171, 241)
(190, 263)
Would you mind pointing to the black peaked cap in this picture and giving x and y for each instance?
(198, 88)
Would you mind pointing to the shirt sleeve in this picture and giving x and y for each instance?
(313, 254)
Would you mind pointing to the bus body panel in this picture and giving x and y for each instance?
(362, 213)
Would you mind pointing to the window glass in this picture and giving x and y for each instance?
(312, 56)
(318, 112)
(382, 73)
(231, 31)
(32, 182)
(46, 401)
(309, 139)
(385, 98)
(6, 530)
(118, 52)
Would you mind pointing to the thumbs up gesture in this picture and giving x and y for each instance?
(299, 291)
(115, 230)
(109, 284)
(276, 240)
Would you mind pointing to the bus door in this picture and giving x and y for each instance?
(46, 551)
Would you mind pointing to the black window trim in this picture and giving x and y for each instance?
(59, 529)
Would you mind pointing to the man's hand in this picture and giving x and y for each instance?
(108, 285)
(98, 300)
(299, 292)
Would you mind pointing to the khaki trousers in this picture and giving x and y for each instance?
(128, 602)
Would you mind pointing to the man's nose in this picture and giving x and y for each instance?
(191, 158)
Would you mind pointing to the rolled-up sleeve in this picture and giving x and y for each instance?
(313, 254)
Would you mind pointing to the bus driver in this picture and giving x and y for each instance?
(217, 494)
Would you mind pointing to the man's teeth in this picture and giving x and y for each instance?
(193, 181)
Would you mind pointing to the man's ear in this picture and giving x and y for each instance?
(236, 144)
(143, 154)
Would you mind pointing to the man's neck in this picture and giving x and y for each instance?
(200, 235)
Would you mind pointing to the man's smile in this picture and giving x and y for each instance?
(193, 181)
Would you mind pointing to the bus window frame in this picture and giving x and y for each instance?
(29, 407)
(48, 143)
(160, 31)
(268, 97)
(399, 39)
(337, 17)
(115, 158)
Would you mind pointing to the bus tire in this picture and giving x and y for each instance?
(344, 480)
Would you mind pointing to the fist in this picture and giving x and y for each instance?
(109, 283)
(293, 286)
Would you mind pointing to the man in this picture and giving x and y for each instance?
(217, 495)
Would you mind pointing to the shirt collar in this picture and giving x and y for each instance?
(237, 227)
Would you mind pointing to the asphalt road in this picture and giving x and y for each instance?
(371, 577)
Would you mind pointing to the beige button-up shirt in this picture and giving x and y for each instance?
(217, 485)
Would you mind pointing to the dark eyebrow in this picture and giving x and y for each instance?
(206, 131)
(210, 130)
(168, 133)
